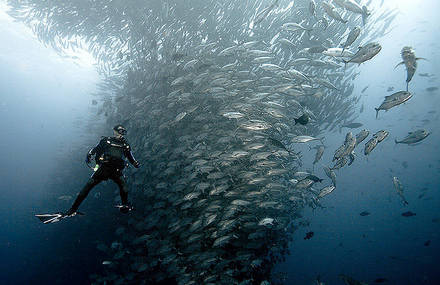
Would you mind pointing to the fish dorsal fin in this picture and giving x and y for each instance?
(410, 133)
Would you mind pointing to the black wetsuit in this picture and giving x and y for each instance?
(109, 155)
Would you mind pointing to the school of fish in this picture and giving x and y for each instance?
(216, 95)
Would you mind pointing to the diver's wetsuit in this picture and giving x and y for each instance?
(109, 155)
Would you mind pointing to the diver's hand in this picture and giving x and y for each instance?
(136, 164)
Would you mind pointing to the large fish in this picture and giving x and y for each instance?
(414, 137)
(393, 100)
(365, 53)
(410, 62)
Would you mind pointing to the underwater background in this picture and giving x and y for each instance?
(49, 124)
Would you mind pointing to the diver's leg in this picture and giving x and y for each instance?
(119, 179)
(92, 182)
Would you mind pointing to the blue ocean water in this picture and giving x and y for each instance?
(44, 109)
(384, 244)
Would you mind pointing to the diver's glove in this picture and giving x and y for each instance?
(136, 164)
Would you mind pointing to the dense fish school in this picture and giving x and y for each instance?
(210, 91)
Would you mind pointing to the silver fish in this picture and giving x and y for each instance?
(410, 62)
(304, 139)
(370, 145)
(361, 136)
(365, 53)
(414, 137)
(393, 100)
(312, 8)
(332, 12)
(319, 153)
(352, 36)
(326, 190)
(399, 188)
(381, 135)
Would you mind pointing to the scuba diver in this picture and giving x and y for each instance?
(110, 154)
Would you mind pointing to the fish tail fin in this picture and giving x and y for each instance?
(395, 140)
(296, 121)
(399, 64)
(377, 112)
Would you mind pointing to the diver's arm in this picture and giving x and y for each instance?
(94, 150)
(128, 154)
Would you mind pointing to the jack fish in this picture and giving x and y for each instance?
(365, 53)
(399, 189)
(410, 61)
(393, 100)
(414, 137)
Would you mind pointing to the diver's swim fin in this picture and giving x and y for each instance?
(53, 218)
(124, 208)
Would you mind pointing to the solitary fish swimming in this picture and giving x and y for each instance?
(414, 137)
(410, 61)
(393, 100)
(399, 188)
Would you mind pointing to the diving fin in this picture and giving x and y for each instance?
(53, 218)
(124, 208)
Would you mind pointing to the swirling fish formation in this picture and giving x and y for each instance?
(209, 92)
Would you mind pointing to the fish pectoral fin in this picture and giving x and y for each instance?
(399, 64)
